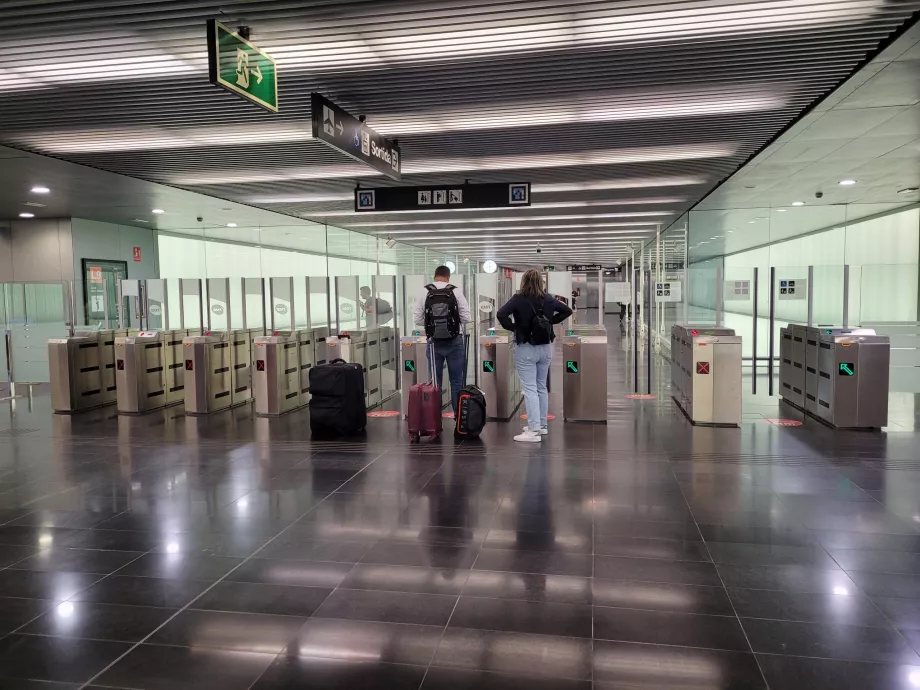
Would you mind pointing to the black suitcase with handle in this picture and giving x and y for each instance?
(337, 404)
(471, 405)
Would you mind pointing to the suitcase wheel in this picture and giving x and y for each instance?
(414, 438)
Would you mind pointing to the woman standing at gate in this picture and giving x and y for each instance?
(531, 314)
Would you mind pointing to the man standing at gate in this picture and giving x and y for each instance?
(443, 311)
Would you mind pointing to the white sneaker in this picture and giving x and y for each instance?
(528, 437)
(543, 430)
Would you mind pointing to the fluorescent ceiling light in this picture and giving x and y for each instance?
(301, 199)
(798, 203)
(158, 211)
(643, 154)
(427, 239)
(524, 219)
(780, 210)
(595, 226)
(26, 215)
(847, 183)
(629, 183)
(506, 32)
(39, 189)
(231, 225)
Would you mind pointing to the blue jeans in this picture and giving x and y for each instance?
(532, 364)
(452, 351)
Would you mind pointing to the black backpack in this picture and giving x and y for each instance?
(541, 328)
(442, 313)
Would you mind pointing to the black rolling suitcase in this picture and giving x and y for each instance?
(471, 405)
(337, 407)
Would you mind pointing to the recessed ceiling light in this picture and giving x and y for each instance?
(158, 211)
(27, 215)
(909, 190)
(780, 210)
(231, 225)
(35, 204)
(40, 189)
(798, 203)
(138, 220)
(751, 222)
(847, 183)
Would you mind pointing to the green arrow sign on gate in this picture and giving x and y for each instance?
(237, 65)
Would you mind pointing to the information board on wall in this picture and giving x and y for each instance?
(668, 291)
(617, 292)
(737, 291)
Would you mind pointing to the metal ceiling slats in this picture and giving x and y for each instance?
(479, 89)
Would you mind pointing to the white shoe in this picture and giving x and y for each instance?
(543, 430)
(528, 437)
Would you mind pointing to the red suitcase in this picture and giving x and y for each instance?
(424, 414)
(424, 418)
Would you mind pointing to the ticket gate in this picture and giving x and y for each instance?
(82, 369)
(498, 378)
(839, 376)
(277, 380)
(149, 371)
(706, 374)
(217, 371)
(584, 374)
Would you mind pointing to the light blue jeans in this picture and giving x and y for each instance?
(532, 364)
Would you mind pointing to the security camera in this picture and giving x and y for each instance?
(818, 195)
(539, 251)
(391, 242)
(199, 219)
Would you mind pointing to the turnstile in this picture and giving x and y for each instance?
(217, 371)
(584, 374)
(498, 377)
(277, 379)
(82, 369)
(846, 375)
(706, 374)
(149, 371)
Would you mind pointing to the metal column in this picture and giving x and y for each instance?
(754, 341)
(772, 318)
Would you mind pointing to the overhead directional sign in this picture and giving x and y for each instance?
(342, 131)
(237, 65)
(489, 195)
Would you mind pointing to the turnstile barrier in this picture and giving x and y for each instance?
(498, 377)
(217, 370)
(584, 374)
(149, 370)
(706, 374)
(839, 376)
(82, 369)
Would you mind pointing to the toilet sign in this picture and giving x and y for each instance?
(668, 291)
(792, 289)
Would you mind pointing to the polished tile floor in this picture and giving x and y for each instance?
(231, 553)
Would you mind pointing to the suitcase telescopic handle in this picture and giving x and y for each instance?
(338, 360)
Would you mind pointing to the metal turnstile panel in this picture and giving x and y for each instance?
(276, 377)
(498, 378)
(584, 377)
(208, 377)
(372, 378)
(853, 382)
(82, 369)
(306, 360)
(706, 374)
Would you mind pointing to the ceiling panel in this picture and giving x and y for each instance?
(606, 107)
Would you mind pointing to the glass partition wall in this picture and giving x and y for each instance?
(842, 264)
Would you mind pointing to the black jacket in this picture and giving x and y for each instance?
(519, 311)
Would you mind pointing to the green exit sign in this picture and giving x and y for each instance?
(238, 66)
(488, 366)
(409, 365)
(549, 268)
(571, 367)
(847, 369)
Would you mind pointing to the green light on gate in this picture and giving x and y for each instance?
(571, 367)
(847, 369)
(409, 365)
(488, 366)
(827, 332)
